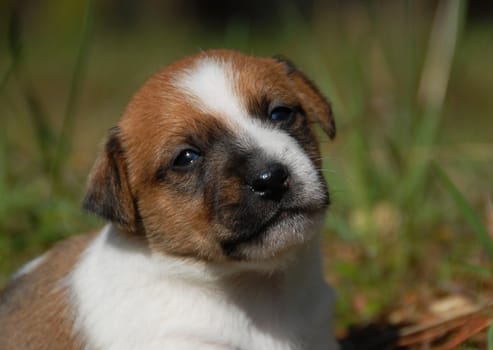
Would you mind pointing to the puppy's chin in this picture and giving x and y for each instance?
(279, 242)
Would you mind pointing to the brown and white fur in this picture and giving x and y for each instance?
(212, 186)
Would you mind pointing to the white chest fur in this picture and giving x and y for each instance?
(126, 298)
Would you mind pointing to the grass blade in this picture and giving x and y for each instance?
(438, 62)
(432, 89)
(470, 215)
(5, 77)
(490, 337)
(14, 35)
(41, 124)
(64, 143)
(3, 172)
(44, 131)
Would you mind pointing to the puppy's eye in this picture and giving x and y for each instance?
(186, 158)
(282, 114)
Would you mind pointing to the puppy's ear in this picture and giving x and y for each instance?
(315, 104)
(108, 193)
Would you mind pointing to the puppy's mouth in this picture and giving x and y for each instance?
(281, 218)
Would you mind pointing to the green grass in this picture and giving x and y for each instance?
(490, 338)
(411, 92)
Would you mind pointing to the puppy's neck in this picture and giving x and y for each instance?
(293, 264)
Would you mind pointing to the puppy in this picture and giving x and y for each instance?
(212, 186)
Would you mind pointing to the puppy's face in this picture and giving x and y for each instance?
(215, 158)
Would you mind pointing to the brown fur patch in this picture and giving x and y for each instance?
(35, 309)
(155, 126)
(108, 193)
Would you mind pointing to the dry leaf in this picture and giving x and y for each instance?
(451, 306)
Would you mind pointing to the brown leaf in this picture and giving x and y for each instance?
(473, 326)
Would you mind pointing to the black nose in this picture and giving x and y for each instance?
(271, 182)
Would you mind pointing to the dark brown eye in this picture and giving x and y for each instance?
(282, 114)
(186, 158)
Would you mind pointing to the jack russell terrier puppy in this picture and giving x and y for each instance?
(212, 186)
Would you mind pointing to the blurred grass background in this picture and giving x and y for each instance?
(411, 84)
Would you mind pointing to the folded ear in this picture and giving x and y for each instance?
(108, 193)
(314, 103)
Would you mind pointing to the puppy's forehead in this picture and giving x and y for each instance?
(223, 87)
(211, 83)
(234, 85)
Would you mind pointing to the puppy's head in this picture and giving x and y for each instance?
(215, 158)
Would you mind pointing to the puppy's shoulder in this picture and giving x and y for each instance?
(34, 306)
